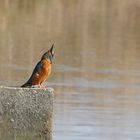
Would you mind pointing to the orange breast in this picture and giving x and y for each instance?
(43, 73)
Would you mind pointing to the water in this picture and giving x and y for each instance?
(96, 70)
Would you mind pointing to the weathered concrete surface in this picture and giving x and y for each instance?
(26, 113)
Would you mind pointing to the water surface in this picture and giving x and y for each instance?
(96, 70)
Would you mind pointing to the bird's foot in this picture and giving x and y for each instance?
(38, 86)
(42, 86)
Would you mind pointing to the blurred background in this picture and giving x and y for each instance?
(96, 68)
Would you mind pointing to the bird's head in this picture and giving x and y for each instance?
(48, 55)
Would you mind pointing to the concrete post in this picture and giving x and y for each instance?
(26, 113)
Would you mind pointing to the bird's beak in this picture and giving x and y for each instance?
(51, 50)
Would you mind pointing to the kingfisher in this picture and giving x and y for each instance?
(41, 71)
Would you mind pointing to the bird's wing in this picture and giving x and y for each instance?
(34, 73)
(37, 68)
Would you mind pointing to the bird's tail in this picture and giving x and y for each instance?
(26, 85)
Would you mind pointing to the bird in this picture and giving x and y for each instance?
(42, 70)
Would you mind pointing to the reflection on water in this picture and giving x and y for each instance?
(96, 71)
(97, 116)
